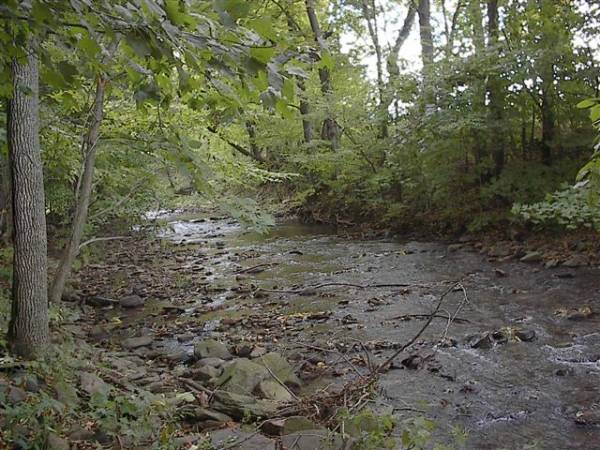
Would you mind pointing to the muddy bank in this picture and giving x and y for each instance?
(518, 364)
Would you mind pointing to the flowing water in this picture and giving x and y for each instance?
(512, 395)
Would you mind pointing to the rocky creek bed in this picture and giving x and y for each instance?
(238, 327)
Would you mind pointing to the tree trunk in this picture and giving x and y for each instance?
(5, 195)
(251, 130)
(307, 127)
(370, 15)
(547, 109)
(495, 94)
(426, 36)
(28, 333)
(330, 130)
(89, 147)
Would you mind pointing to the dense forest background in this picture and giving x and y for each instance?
(323, 110)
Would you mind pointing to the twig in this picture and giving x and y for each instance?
(435, 316)
(358, 286)
(195, 386)
(276, 378)
(423, 328)
(249, 269)
(458, 309)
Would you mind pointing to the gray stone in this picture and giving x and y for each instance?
(272, 390)
(454, 247)
(227, 438)
(532, 257)
(55, 442)
(257, 352)
(242, 376)
(209, 348)
(212, 362)
(185, 337)
(206, 373)
(93, 384)
(202, 414)
(16, 395)
(576, 261)
(288, 425)
(131, 301)
(243, 406)
(312, 440)
(136, 342)
(280, 368)
(501, 250)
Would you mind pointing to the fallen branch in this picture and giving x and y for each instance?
(354, 285)
(421, 331)
(196, 386)
(435, 316)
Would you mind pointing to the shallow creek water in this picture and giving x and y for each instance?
(514, 395)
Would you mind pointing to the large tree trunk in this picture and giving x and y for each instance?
(330, 130)
(426, 36)
(28, 333)
(89, 147)
(5, 195)
(495, 94)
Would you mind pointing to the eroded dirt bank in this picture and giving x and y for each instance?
(518, 364)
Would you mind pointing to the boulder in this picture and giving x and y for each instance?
(209, 348)
(131, 301)
(241, 407)
(55, 442)
(312, 440)
(227, 438)
(242, 376)
(212, 362)
(136, 342)
(531, 257)
(206, 373)
(272, 390)
(288, 425)
(279, 366)
(93, 384)
(576, 261)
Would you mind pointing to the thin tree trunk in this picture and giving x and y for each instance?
(494, 89)
(307, 127)
(84, 192)
(548, 118)
(251, 130)
(28, 333)
(370, 15)
(330, 130)
(426, 36)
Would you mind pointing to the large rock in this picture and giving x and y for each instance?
(228, 438)
(209, 348)
(136, 342)
(576, 261)
(288, 425)
(312, 440)
(272, 390)
(93, 384)
(242, 376)
(241, 407)
(279, 366)
(55, 442)
(131, 301)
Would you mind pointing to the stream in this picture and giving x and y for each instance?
(539, 391)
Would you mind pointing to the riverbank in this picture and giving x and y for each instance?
(332, 305)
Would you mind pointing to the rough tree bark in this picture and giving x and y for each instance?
(5, 195)
(495, 94)
(307, 128)
(28, 333)
(330, 130)
(369, 11)
(426, 36)
(84, 192)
